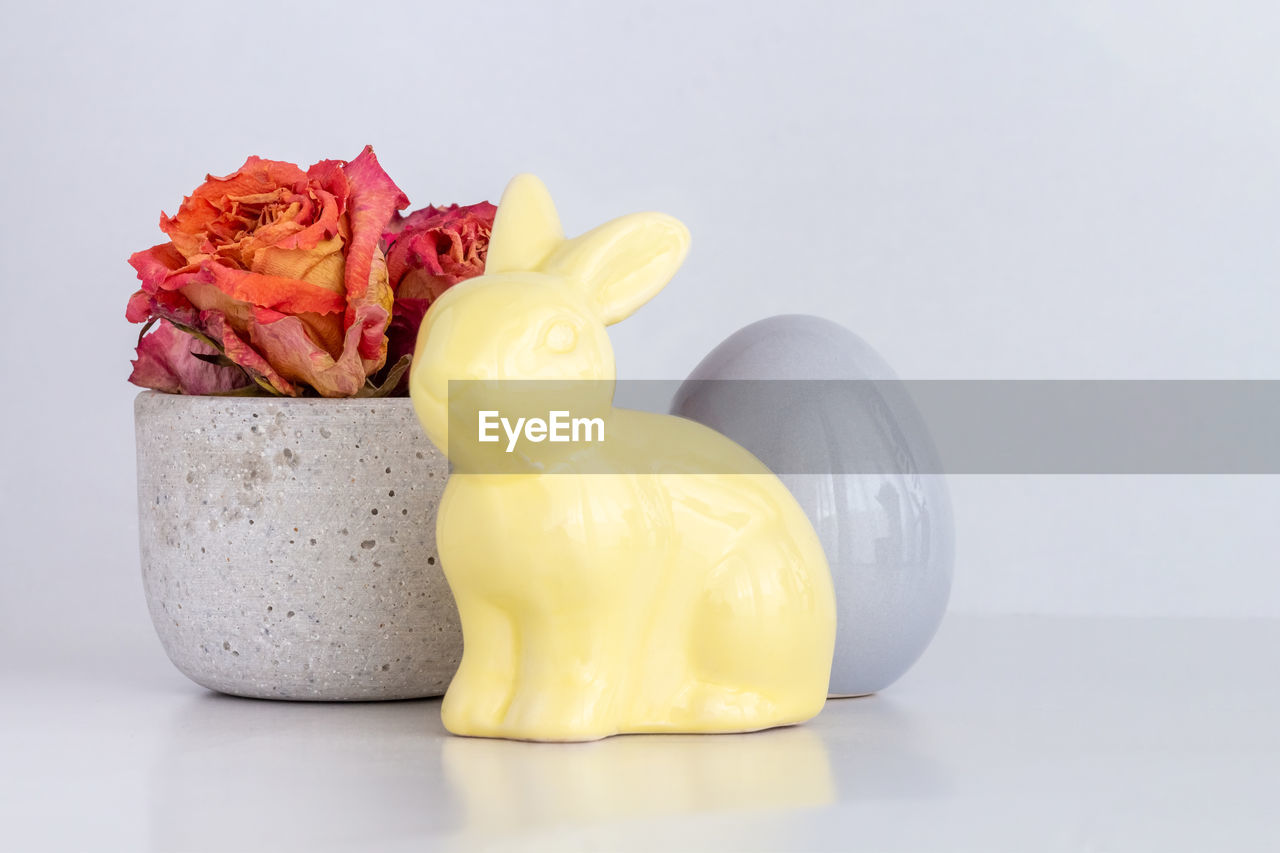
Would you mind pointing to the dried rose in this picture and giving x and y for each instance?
(429, 251)
(282, 270)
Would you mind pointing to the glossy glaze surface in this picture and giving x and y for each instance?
(853, 455)
(667, 597)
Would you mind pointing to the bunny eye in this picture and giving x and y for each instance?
(561, 337)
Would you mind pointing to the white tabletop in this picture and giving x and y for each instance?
(1011, 734)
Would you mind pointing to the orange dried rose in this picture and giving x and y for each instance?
(282, 270)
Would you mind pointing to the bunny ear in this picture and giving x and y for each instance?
(623, 263)
(526, 229)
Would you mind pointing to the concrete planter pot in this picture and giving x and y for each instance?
(288, 546)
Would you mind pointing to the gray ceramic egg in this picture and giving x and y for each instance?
(887, 528)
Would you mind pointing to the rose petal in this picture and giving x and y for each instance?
(165, 363)
(288, 295)
(378, 295)
(413, 250)
(206, 297)
(162, 267)
(139, 308)
(326, 330)
(287, 345)
(421, 284)
(321, 265)
(331, 176)
(154, 265)
(238, 350)
(162, 304)
(374, 199)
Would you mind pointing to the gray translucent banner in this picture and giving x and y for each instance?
(875, 426)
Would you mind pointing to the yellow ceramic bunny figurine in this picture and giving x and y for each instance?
(684, 592)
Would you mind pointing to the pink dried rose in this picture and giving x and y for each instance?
(281, 270)
(429, 251)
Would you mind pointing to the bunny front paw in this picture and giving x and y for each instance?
(476, 705)
(482, 689)
(559, 712)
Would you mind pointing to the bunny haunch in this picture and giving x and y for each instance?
(558, 427)
(603, 587)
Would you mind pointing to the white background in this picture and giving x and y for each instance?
(995, 190)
